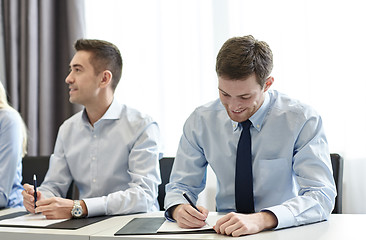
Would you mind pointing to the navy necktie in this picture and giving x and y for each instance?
(243, 174)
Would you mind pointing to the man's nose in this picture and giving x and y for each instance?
(235, 105)
(68, 79)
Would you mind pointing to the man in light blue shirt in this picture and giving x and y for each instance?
(292, 174)
(111, 151)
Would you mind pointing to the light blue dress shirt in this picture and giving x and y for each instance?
(11, 149)
(115, 164)
(292, 172)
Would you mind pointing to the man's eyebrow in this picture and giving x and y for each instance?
(75, 65)
(223, 91)
(242, 95)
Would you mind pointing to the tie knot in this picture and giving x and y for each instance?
(246, 124)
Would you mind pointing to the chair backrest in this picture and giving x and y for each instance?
(337, 165)
(35, 165)
(39, 165)
(166, 165)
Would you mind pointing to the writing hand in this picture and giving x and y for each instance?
(188, 217)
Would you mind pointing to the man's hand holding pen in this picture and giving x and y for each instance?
(29, 197)
(189, 215)
(52, 208)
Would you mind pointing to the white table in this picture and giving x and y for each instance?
(51, 234)
(338, 227)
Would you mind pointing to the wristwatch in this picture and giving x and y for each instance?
(77, 210)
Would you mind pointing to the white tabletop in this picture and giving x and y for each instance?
(338, 227)
(51, 234)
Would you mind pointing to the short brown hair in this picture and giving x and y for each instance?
(240, 57)
(105, 56)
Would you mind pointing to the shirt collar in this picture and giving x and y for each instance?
(113, 112)
(258, 117)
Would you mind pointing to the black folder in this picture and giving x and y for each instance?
(141, 226)
(151, 225)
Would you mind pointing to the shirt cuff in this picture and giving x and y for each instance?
(284, 216)
(168, 215)
(95, 206)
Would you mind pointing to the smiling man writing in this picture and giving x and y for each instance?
(268, 151)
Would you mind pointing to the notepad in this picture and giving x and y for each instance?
(158, 225)
(30, 220)
(172, 227)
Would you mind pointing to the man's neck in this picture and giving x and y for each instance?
(97, 110)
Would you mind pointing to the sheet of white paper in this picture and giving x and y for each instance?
(35, 220)
(169, 226)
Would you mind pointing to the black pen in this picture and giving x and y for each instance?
(35, 189)
(192, 204)
(190, 201)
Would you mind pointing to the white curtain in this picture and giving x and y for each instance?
(169, 49)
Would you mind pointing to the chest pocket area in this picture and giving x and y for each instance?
(272, 175)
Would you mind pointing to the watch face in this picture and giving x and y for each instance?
(78, 211)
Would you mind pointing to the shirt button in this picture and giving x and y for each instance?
(93, 158)
(95, 136)
(94, 180)
(258, 126)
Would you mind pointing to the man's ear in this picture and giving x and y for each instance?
(268, 83)
(106, 79)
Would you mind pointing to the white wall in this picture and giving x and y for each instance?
(169, 49)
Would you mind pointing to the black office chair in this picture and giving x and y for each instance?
(39, 165)
(166, 165)
(337, 165)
